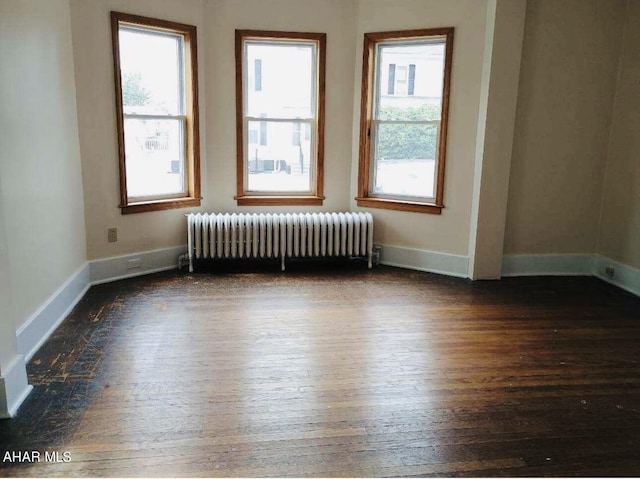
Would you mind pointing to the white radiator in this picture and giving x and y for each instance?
(290, 235)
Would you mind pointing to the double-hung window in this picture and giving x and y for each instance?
(157, 113)
(403, 121)
(279, 117)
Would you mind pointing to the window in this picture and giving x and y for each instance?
(155, 70)
(403, 119)
(280, 117)
(258, 74)
(398, 83)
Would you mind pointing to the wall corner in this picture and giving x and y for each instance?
(496, 122)
(14, 387)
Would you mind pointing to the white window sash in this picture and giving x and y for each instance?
(312, 164)
(312, 120)
(375, 124)
(182, 156)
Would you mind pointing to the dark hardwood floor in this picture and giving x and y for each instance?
(337, 372)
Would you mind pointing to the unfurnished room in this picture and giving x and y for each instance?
(319, 238)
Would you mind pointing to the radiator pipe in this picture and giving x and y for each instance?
(182, 259)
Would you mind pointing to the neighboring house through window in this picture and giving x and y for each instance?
(157, 113)
(401, 79)
(403, 119)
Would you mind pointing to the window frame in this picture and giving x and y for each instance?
(366, 197)
(245, 197)
(191, 144)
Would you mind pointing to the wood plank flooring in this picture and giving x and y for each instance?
(332, 371)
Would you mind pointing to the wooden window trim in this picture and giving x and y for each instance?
(257, 200)
(365, 197)
(316, 197)
(192, 140)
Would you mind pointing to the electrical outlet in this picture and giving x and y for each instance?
(134, 263)
(609, 271)
(112, 235)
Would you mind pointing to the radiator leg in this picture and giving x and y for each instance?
(282, 265)
(370, 261)
(190, 263)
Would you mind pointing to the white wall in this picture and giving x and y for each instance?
(40, 158)
(97, 121)
(567, 84)
(449, 232)
(620, 227)
(499, 94)
(42, 230)
(14, 386)
(8, 348)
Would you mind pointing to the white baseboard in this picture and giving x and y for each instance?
(423, 260)
(14, 387)
(118, 267)
(37, 329)
(624, 276)
(547, 265)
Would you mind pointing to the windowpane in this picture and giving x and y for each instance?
(150, 68)
(286, 79)
(155, 164)
(418, 79)
(278, 165)
(406, 162)
(405, 159)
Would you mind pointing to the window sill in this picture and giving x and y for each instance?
(398, 205)
(159, 205)
(279, 200)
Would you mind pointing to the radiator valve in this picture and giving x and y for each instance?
(182, 259)
(377, 250)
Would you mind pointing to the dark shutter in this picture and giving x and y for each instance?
(392, 79)
(258, 73)
(412, 79)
